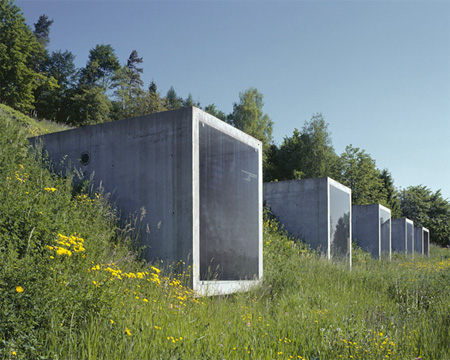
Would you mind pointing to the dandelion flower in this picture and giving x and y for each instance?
(112, 321)
(128, 332)
(13, 353)
(19, 289)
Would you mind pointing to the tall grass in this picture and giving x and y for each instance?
(71, 287)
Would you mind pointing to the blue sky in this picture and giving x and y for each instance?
(379, 71)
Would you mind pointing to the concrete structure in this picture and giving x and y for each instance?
(371, 229)
(198, 179)
(402, 238)
(317, 211)
(422, 240)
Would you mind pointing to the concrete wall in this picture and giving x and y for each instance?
(418, 239)
(426, 242)
(155, 162)
(304, 208)
(371, 229)
(401, 232)
(421, 240)
(410, 238)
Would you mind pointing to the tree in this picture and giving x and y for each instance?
(18, 46)
(42, 30)
(308, 153)
(135, 71)
(100, 68)
(151, 102)
(128, 87)
(356, 169)
(174, 102)
(429, 210)
(211, 109)
(54, 104)
(152, 88)
(90, 106)
(249, 117)
(42, 34)
(392, 200)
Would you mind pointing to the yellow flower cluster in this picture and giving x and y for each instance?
(429, 266)
(379, 347)
(86, 199)
(118, 274)
(50, 189)
(174, 340)
(67, 245)
(34, 130)
(22, 177)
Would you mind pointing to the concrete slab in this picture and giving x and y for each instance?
(316, 211)
(371, 229)
(198, 179)
(426, 242)
(421, 240)
(402, 235)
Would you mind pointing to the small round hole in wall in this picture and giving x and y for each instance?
(85, 158)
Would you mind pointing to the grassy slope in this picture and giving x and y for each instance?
(64, 298)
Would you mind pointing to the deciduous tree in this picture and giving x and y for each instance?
(308, 153)
(357, 170)
(100, 68)
(54, 104)
(18, 46)
(427, 209)
(249, 117)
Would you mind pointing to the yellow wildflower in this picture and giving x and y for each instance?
(155, 269)
(128, 332)
(19, 289)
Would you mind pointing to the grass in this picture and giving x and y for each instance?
(33, 127)
(72, 287)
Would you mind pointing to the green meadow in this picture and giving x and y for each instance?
(72, 285)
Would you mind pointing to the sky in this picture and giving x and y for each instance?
(378, 71)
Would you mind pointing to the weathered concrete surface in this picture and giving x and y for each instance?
(421, 240)
(164, 163)
(316, 211)
(371, 229)
(426, 242)
(402, 235)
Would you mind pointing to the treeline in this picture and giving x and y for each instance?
(49, 86)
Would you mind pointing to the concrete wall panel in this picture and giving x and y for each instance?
(165, 164)
(402, 235)
(372, 229)
(316, 211)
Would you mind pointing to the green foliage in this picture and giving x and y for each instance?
(392, 199)
(100, 68)
(357, 170)
(42, 30)
(248, 116)
(32, 126)
(174, 102)
(90, 106)
(35, 282)
(306, 154)
(18, 48)
(429, 210)
(55, 103)
(135, 72)
(211, 109)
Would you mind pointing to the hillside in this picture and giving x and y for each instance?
(72, 286)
